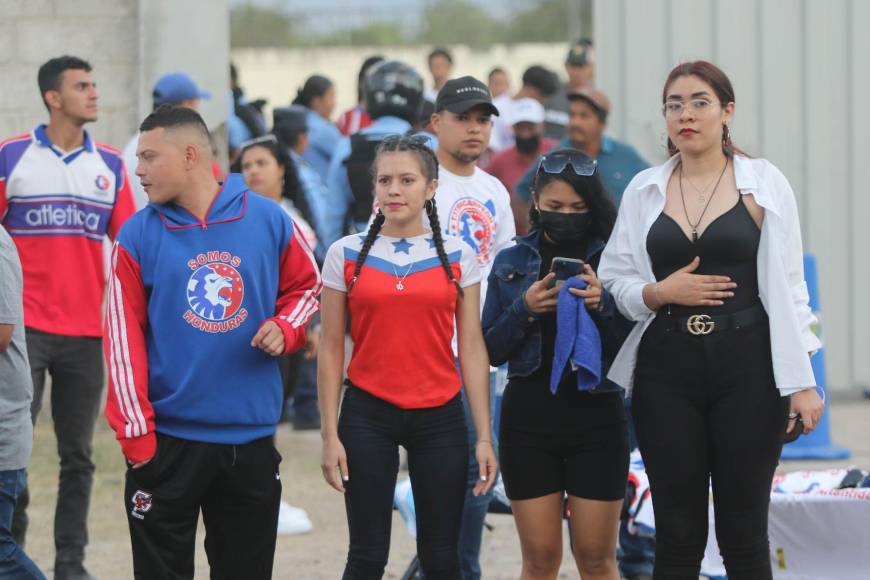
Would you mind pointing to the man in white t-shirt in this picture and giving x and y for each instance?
(475, 207)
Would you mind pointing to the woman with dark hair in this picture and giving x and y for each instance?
(403, 287)
(268, 170)
(318, 96)
(557, 436)
(706, 256)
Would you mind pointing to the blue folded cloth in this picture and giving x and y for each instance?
(577, 340)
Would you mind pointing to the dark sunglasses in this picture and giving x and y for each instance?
(555, 163)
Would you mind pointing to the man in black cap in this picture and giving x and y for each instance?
(475, 207)
(580, 67)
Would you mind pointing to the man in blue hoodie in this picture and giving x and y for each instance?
(208, 283)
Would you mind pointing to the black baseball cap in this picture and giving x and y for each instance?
(463, 94)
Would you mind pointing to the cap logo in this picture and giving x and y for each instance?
(472, 89)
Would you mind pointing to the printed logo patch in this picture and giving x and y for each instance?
(141, 501)
(102, 182)
(215, 292)
(474, 223)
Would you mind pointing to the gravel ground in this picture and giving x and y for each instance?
(320, 554)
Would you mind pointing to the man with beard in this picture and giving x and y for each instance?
(618, 162)
(527, 117)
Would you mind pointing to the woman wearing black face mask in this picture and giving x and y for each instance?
(570, 441)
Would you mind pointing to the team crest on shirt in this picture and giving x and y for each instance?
(102, 182)
(141, 502)
(215, 292)
(474, 223)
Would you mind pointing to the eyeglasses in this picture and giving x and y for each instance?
(555, 163)
(697, 106)
(269, 138)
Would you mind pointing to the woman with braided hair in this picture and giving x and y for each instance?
(403, 287)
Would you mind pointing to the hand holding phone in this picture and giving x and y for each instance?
(565, 268)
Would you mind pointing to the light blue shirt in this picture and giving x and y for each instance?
(315, 194)
(339, 195)
(323, 136)
(237, 131)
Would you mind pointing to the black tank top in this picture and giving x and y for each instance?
(728, 247)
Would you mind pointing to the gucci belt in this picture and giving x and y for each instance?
(704, 324)
(700, 325)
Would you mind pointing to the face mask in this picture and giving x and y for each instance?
(528, 145)
(565, 227)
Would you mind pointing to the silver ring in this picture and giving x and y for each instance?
(794, 416)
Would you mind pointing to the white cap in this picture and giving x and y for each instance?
(527, 111)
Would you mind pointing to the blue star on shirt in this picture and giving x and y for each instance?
(431, 243)
(402, 245)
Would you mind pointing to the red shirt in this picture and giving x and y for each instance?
(509, 165)
(59, 206)
(402, 338)
(353, 120)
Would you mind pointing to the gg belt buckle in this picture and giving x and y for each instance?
(700, 325)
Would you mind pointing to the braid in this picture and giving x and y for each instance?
(435, 224)
(371, 235)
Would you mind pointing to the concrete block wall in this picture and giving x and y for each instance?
(103, 32)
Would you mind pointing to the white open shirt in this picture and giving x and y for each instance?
(626, 268)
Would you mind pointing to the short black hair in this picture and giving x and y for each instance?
(50, 74)
(542, 79)
(171, 116)
(440, 52)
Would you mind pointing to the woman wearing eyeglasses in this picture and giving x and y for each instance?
(557, 436)
(706, 256)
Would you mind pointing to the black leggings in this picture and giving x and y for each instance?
(371, 431)
(706, 407)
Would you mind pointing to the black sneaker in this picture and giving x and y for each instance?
(71, 571)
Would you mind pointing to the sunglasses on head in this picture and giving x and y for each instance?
(555, 163)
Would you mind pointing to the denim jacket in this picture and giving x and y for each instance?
(513, 333)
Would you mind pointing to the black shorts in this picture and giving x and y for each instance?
(584, 452)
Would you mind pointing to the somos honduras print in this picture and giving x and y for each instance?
(215, 292)
(474, 222)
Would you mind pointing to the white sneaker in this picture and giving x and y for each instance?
(292, 520)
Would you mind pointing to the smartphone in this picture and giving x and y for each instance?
(565, 268)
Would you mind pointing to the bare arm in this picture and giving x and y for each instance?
(6, 336)
(474, 362)
(330, 368)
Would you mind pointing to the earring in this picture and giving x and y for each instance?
(726, 134)
(429, 205)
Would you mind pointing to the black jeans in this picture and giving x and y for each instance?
(238, 491)
(75, 364)
(707, 407)
(371, 431)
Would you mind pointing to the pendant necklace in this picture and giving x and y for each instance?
(400, 282)
(695, 225)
